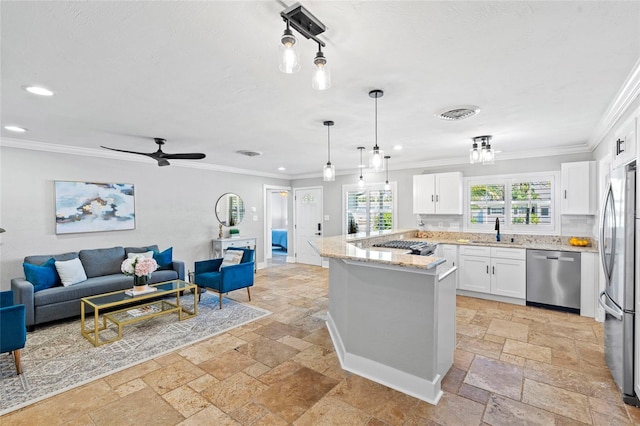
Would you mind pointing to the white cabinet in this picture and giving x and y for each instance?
(493, 270)
(439, 193)
(578, 188)
(624, 145)
(220, 245)
(449, 252)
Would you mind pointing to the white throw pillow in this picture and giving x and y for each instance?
(70, 271)
(231, 257)
(147, 254)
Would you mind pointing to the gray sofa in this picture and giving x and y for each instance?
(102, 267)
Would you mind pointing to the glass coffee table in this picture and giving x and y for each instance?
(124, 309)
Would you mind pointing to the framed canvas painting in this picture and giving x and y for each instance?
(94, 207)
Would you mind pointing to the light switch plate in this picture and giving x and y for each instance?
(326, 217)
(253, 209)
(255, 217)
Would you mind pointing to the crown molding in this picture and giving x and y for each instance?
(628, 93)
(100, 153)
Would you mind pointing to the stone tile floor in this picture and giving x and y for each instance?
(513, 365)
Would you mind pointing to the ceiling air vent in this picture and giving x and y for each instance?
(249, 153)
(458, 113)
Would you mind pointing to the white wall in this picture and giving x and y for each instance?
(278, 211)
(404, 178)
(175, 206)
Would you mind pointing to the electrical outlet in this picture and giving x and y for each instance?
(326, 218)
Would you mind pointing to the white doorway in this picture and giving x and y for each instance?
(308, 223)
(277, 243)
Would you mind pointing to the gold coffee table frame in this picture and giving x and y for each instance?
(121, 317)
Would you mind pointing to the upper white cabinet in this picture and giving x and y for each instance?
(578, 183)
(439, 193)
(624, 145)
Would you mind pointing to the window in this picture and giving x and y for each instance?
(367, 209)
(521, 203)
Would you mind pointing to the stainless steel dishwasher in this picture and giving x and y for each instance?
(553, 279)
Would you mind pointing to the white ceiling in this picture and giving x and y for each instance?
(204, 75)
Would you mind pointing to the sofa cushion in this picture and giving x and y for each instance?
(71, 271)
(103, 261)
(40, 259)
(42, 276)
(153, 248)
(164, 259)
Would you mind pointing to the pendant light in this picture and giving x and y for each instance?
(386, 183)
(289, 62)
(322, 75)
(489, 154)
(361, 180)
(376, 155)
(328, 171)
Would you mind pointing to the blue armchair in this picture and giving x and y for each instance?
(13, 327)
(210, 274)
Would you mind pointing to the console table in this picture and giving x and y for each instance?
(220, 245)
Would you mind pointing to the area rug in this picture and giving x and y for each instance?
(57, 358)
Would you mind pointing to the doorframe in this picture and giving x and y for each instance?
(267, 190)
(295, 219)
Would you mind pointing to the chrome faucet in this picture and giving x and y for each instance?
(497, 228)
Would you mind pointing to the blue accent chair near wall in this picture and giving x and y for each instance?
(13, 327)
(209, 274)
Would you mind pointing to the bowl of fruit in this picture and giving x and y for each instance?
(579, 242)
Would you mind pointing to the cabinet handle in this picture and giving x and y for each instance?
(487, 269)
(619, 146)
(493, 270)
(565, 194)
(437, 200)
(431, 197)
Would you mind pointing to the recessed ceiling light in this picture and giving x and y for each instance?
(281, 169)
(15, 129)
(397, 147)
(36, 90)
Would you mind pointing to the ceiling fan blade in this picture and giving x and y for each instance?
(128, 152)
(163, 162)
(186, 156)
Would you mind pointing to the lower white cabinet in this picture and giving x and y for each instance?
(449, 252)
(493, 270)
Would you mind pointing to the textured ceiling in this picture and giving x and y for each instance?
(204, 75)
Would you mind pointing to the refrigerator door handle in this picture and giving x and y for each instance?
(605, 266)
(614, 311)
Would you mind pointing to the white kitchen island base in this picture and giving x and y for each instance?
(394, 325)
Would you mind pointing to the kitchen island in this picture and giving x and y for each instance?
(391, 315)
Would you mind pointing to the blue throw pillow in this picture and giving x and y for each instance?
(42, 276)
(164, 259)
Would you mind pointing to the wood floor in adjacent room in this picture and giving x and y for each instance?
(513, 365)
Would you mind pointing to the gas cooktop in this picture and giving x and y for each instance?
(421, 248)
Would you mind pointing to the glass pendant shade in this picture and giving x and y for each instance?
(361, 182)
(321, 79)
(386, 183)
(329, 173)
(289, 62)
(474, 154)
(376, 159)
(489, 155)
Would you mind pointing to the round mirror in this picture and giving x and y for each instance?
(230, 209)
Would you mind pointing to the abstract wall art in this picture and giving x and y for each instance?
(94, 207)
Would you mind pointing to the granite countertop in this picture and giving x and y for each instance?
(359, 246)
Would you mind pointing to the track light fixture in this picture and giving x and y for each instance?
(328, 171)
(301, 20)
(386, 183)
(361, 180)
(376, 155)
(485, 154)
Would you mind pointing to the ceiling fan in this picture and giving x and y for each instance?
(160, 156)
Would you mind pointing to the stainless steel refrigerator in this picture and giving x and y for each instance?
(617, 250)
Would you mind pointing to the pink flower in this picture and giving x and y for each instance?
(139, 265)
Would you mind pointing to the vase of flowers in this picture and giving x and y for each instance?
(140, 268)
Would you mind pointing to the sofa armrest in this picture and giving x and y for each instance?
(23, 295)
(238, 276)
(178, 266)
